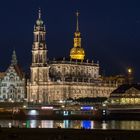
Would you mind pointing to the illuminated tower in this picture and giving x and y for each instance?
(39, 50)
(39, 67)
(77, 52)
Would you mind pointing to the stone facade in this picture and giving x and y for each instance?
(58, 80)
(12, 83)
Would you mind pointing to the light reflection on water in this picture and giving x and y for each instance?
(75, 124)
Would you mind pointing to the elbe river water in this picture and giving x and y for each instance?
(75, 124)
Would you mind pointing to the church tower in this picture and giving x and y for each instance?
(77, 52)
(39, 49)
(39, 67)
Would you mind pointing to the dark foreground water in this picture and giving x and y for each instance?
(76, 124)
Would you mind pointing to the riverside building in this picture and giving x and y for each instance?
(126, 94)
(58, 80)
(12, 83)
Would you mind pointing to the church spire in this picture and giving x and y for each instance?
(14, 58)
(77, 52)
(39, 13)
(39, 21)
(77, 24)
(77, 38)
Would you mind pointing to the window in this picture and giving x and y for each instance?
(4, 91)
(4, 97)
(19, 90)
(4, 84)
(11, 78)
(18, 96)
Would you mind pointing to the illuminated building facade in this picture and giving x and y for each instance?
(119, 79)
(12, 83)
(57, 80)
(126, 94)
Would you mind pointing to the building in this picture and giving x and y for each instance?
(77, 52)
(57, 80)
(126, 94)
(12, 83)
(119, 79)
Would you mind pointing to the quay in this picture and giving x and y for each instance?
(74, 112)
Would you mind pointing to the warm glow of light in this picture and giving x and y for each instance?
(47, 107)
(130, 100)
(62, 106)
(24, 106)
(77, 56)
(129, 70)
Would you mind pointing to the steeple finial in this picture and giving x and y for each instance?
(39, 21)
(77, 24)
(39, 13)
(14, 58)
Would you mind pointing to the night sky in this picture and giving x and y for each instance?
(110, 31)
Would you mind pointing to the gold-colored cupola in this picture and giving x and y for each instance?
(77, 52)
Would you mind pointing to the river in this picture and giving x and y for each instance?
(75, 124)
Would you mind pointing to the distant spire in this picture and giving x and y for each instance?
(14, 58)
(39, 13)
(39, 21)
(77, 24)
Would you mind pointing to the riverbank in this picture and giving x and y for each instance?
(66, 134)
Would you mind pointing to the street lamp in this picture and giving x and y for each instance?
(129, 71)
(130, 78)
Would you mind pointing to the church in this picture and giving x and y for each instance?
(60, 79)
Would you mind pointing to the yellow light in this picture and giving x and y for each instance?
(24, 106)
(62, 106)
(78, 57)
(129, 70)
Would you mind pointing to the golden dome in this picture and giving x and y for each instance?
(77, 53)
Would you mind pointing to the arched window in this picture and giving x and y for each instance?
(11, 77)
(37, 39)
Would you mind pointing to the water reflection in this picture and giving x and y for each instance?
(66, 124)
(33, 124)
(104, 125)
(75, 124)
(87, 124)
(46, 124)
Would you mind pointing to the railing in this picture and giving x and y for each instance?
(73, 62)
